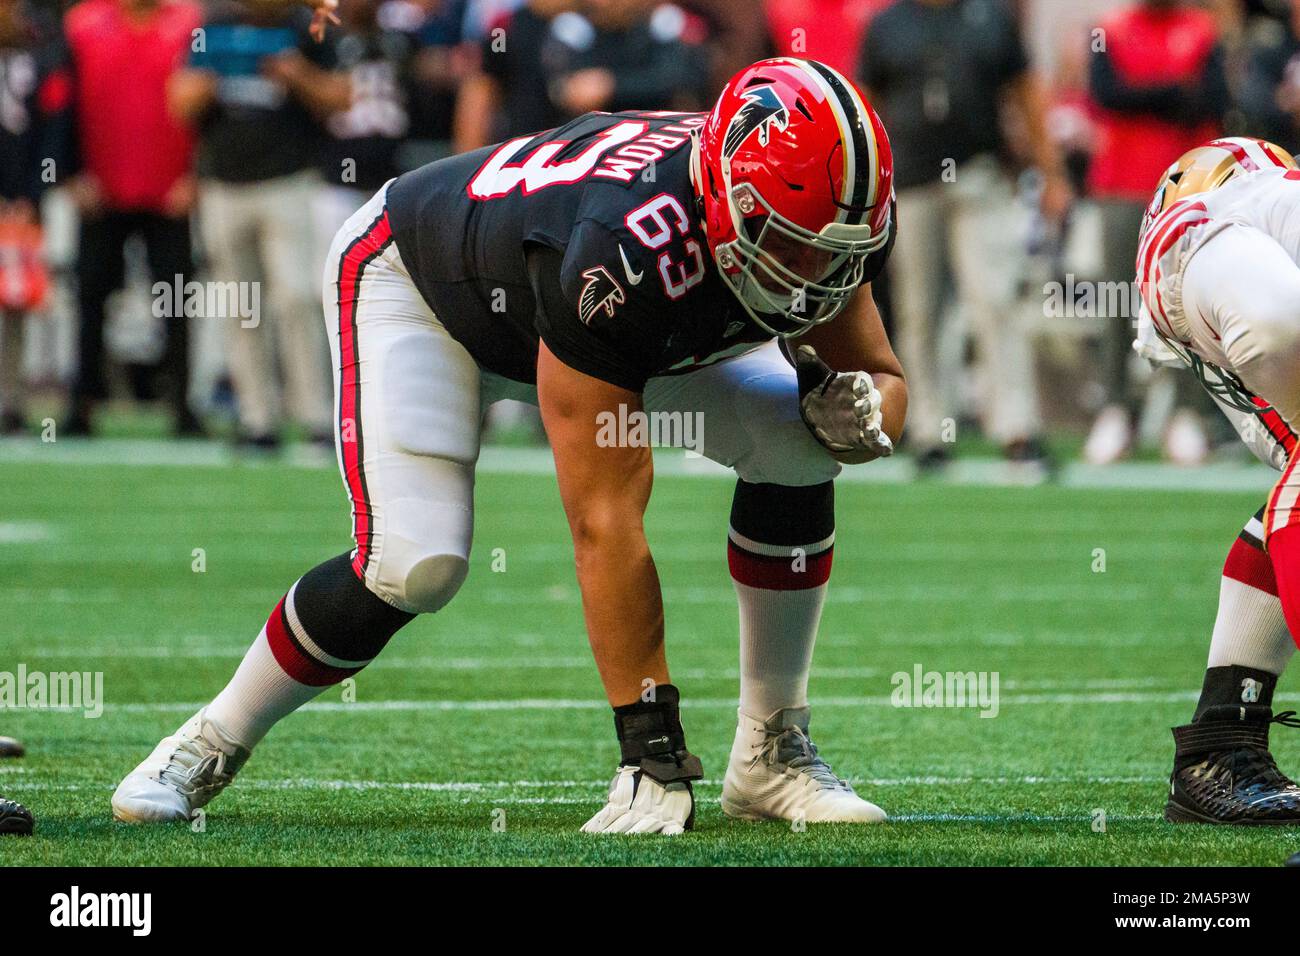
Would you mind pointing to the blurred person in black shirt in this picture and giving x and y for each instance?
(938, 71)
(35, 131)
(553, 60)
(364, 140)
(1270, 95)
(258, 92)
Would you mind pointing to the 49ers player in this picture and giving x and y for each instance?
(1219, 270)
(714, 264)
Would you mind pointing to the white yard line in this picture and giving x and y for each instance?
(1226, 476)
(503, 787)
(701, 703)
(25, 532)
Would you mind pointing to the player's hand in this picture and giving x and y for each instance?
(181, 198)
(640, 804)
(841, 409)
(324, 14)
(1057, 197)
(586, 91)
(86, 194)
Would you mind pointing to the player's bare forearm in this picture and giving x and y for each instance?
(605, 491)
(477, 103)
(855, 340)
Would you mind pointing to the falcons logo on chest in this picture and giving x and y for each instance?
(601, 292)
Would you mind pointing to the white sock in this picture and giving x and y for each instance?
(259, 695)
(777, 632)
(283, 670)
(1250, 629)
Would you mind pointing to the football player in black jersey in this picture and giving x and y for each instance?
(712, 268)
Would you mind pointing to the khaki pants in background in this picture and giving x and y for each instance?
(265, 232)
(974, 228)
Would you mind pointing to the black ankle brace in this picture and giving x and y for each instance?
(651, 737)
(1235, 686)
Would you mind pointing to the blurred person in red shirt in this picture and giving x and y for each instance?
(829, 30)
(1157, 80)
(135, 177)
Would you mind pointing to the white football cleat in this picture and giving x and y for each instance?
(775, 773)
(184, 772)
(641, 804)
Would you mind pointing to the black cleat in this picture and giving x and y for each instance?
(15, 819)
(1224, 773)
(11, 748)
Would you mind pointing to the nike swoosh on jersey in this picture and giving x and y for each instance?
(633, 278)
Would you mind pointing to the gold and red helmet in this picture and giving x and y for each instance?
(796, 178)
(1217, 163)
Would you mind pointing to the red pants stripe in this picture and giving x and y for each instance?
(352, 266)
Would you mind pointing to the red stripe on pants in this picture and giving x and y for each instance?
(353, 264)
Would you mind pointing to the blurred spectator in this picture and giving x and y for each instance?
(1157, 78)
(258, 91)
(736, 35)
(35, 95)
(444, 57)
(553, 60)
(364, 139)
(827, 30)
(1270, 95)
(937, 71)
(134, 178)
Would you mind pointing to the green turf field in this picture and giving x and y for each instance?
(491, 712)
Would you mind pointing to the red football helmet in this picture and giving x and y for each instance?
(796, 176)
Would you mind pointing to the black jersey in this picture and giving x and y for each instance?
(626, 289)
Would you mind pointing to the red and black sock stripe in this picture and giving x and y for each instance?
(781, 537)
(352, 266)
(329, 625)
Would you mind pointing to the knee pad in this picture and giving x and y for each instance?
(432, 581)
(420, 572)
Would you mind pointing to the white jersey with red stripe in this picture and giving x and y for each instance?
(1267, 200)
(1219, 275)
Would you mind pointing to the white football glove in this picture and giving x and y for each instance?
(842, 409)
(641, 804)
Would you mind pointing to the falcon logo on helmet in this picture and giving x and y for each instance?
(762, 110)
(795, 177)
